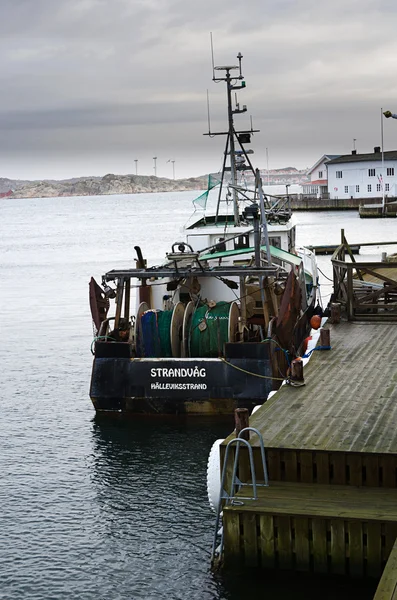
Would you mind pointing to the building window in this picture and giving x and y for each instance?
(387, 187)
(369, 188)
(357, 188)
(320, 174)
(371, 172)
(346, 189)
(338, 174)
(378, 187)
(390, 171)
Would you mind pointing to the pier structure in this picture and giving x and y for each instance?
(331, 449)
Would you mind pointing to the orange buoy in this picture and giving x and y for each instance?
(315, 322)
(305, 344)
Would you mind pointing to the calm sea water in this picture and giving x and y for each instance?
(91, 509)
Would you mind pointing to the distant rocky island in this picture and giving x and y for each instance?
(126, 184)
(98, 186)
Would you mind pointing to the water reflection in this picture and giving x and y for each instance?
(150, 482)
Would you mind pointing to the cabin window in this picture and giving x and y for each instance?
(275, 241)
(371, 172)
(242, 241)
(390, 171)
(387, 187)
(338, 174)
(369, 187)
(357, 188)
(378, 187)
(346, 189)
(320, 174)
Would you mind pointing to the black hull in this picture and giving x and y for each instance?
(180, 386)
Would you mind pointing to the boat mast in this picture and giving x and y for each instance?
(231, 133)
(233, 171)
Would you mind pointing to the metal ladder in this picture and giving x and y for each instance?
(231, 498)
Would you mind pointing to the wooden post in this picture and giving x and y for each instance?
(325, 337)
(297, 371)
(335, 312)
(241, 420)
(350, 305)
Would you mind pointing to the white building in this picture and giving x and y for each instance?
(318, 184)
(363, 175)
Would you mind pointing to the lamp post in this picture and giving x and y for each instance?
(267, 165)
(155, 166)
(173, 168)
(136, 166)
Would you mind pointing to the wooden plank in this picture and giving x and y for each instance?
(390, 530)
(302, 549)
(371, 470)
(273, 464)
(350, 313)
(338, 461)
(320, 552)
(231, 531)
(306, 462)
(322, 463)
(354, 463)
(266, 541)
(338, 547)
(291, 466)
(388, 466)
(374, 549)
(356, 550)
(387, 588)
(299, 499)
(250, 539)
(284, 542)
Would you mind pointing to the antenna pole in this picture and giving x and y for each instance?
(212, 56)
(232, 147)
(208, 113)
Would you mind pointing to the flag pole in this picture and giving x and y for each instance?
(383, 161)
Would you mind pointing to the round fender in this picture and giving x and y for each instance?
(214, 475)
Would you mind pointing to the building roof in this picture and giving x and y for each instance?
(350, 158)
(317, 182)
(320, 160)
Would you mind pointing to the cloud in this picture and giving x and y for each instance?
(88, 82)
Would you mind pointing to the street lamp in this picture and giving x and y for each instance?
(155, 167)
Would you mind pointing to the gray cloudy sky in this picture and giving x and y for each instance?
(87, 86)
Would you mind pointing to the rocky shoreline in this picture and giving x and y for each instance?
(98, 186)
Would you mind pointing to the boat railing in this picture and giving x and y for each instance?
(366, 290)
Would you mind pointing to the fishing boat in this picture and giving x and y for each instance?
(216, 326)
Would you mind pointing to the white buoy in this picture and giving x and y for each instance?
(214, 475)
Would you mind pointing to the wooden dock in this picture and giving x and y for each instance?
(331, 447)
(328, 249)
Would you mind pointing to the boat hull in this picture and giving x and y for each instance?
(180, 386)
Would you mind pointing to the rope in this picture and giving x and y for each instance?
(250, 373)
(316, 348)
(100, 337)
(323, 274)
(209, 330)
(155, 336)
(279, 348)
